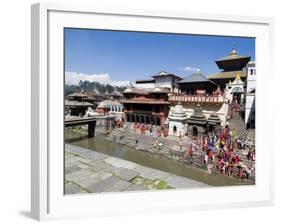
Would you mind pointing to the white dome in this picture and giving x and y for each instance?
(179, 109)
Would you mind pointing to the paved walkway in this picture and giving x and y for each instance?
(87, 171)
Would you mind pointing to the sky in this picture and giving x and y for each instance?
(120, 57)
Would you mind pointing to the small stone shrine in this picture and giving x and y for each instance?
(197, 123)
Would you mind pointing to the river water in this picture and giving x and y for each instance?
(99, 144)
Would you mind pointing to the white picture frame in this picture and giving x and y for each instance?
(48, 201)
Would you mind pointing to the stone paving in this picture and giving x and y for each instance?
(87, 171)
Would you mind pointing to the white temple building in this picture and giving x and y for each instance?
(178, 121)
(236, 89)
(250, 95)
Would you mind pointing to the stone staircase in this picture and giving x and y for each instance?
(146, 143)
(237, 123)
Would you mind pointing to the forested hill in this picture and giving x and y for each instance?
(90, 86)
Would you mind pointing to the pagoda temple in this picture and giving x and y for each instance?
(229, 66)
(197, 83)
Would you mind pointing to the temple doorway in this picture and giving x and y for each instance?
(237, 95)
(175, 130)
(211, 128)
(158, 121)
(194, 132)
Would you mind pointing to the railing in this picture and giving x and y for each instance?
(141, 99)
(197, 98)
(144, 112)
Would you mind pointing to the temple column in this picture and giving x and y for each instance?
(145, 119)
(91, 129)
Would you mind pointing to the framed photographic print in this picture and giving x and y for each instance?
(148, 111)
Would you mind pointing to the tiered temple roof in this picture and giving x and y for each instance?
(197, 118)
(178, 114)
(230, 65)
(214, 120)
(233, 62)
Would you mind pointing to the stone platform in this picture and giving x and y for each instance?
(87, 171)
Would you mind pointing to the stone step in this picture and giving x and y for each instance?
(145, 144)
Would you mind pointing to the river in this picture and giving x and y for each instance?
(99, 144)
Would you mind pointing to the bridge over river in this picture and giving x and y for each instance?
(91, 121)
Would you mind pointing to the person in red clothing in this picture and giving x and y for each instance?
(190, 152)
(237, 159)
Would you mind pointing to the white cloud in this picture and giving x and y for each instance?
(188, 68)
(73, 78)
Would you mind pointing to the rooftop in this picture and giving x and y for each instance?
(116, 93)
(145, 91)
(164, 73)
(76, 103)
(227, 75)
(108, 104)
(233, 61)
(144, 101)
(145, 81)
(196, 77)
(77, 94)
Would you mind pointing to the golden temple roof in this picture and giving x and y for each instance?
(228, 75)
(232, 55)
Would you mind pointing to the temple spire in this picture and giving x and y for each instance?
(233, 52)
(238, 76)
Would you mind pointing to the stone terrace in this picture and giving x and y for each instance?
(87, 171)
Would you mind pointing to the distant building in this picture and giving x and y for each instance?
(75, 108)
(111, 107)
(145, 83)
(167, 80)
(76, 105)
(116, 95)
(146, 105)
(163, 79)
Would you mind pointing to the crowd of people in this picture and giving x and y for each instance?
(222, 149)
(152, 130)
